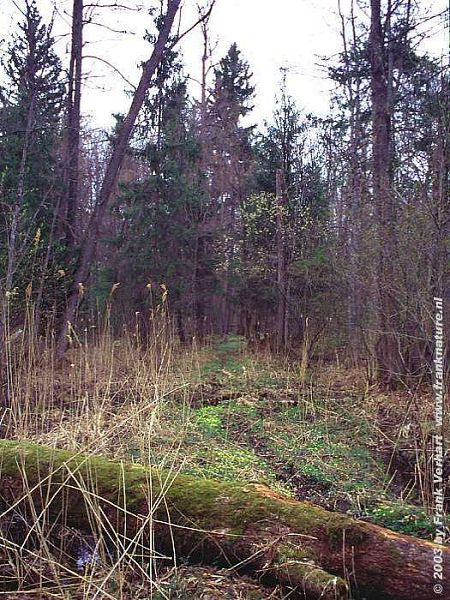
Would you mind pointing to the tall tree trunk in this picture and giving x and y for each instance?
(200, 268)
(281, 261)
(73, 125)
(387, 351)
(440, 167)
(354, 184)
(111, 174)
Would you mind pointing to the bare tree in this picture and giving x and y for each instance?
(282, 279)
(70, 204)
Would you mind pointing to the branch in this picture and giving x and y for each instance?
(119, 31)
(116, 5)
(112, 67)
(202, 19)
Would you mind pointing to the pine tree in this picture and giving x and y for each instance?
(229, 145)
(31, 101)
(232, 88)
(162, 215)
(281, 145)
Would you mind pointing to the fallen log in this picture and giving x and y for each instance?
(321, 553)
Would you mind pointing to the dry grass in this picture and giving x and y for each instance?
(132, 397)
(105, 398)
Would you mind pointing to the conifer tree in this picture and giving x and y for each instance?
(231, 154)
(31, 101)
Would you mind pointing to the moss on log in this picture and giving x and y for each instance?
(320, 552)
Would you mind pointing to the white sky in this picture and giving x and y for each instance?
(271, 34)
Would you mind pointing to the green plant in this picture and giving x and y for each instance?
(209, 419)
(403, 518)
(230, 464)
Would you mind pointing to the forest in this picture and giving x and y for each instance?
(224, 337)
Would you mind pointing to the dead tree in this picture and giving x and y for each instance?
(320, 554)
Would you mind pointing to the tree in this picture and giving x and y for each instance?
(282, 275)
(394, 67)
(112, 171)
(378, 125)
(230, 152)
(388, 356)
(289, 153)
(69, 205)
(281, 150)
(351, 75)
(163, 213)
(31, 107)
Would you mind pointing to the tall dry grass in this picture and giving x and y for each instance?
(107, 398)
(111, 396)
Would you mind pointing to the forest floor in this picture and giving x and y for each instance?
(321, 434)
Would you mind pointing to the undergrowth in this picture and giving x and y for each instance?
(221, 411)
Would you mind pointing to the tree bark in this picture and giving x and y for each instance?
(111, 174)
(388, 354)
(200, 268)
(73, 126)
(353, 187)
(440, 168)
(300, 545)
(281, 261)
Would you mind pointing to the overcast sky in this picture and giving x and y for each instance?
(297, 34)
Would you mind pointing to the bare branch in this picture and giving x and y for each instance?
(119, 31)
(202, 19)
(116, 5)
(115, 69)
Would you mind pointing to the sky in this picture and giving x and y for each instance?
(299, 35)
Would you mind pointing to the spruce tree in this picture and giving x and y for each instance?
(31, 101)
(229, 144)
(162, 213)
(232, 88)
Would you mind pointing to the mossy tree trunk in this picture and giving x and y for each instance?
(301, 545)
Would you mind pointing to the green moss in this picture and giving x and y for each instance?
(300, 567)
(287, 552)
(346, 529)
